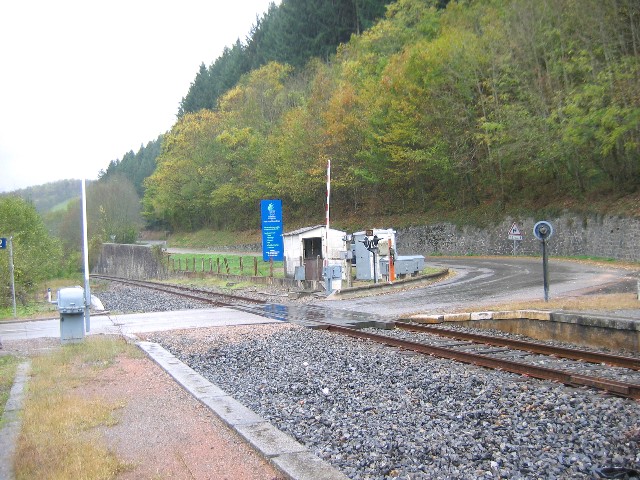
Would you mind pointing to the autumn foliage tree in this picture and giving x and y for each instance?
(500, 104)
(36, 255)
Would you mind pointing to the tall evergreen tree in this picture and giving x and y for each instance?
(291, 33)
(135, 166)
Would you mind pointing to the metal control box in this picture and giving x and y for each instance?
(333, 277)
(71, 300)
(404, 265)
(332, 271)
(299, 273)
(72, 308)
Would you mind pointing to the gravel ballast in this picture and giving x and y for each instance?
(131, 299)
(375, 412)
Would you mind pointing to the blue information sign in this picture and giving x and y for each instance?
(3, 243)
(272, 244)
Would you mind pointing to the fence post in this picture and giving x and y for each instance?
(226, 266)
(255, 266)
(210, 265)
(271, 266)
(218, 265)
(241, 266)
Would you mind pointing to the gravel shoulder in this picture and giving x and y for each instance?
(378, 413)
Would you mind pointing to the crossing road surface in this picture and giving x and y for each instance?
(476, 282)
(135, 323)
(485, 281)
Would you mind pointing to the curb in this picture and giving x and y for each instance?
(487, 315)
(289, 456)
(384, 286)
(12, 421)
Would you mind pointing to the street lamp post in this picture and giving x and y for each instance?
(13, 283)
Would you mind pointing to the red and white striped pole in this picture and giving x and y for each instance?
(326, 239)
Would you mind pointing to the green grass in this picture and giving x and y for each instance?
(232, 266)
(594, 259)
(62, 206)
(30, 310)
(213, 238)
(37, 305)
(60, 436)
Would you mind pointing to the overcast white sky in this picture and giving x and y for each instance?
(83, 82)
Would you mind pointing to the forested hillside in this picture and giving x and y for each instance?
(50, 195)
(290, 33)
(135, 166)
(498, 104)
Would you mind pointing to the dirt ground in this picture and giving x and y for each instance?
(162, 431)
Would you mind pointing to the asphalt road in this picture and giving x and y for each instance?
(484, 281)
(135, 323)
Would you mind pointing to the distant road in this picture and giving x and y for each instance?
(484, 281)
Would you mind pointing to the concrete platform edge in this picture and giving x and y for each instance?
(344, 292)
(12, 421)
(294, 460)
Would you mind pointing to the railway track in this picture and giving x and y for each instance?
(531, 359)
(214, 298)
(487, 355)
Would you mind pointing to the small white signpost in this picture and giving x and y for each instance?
(515, 235)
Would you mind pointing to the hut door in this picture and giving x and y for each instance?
(312, 253)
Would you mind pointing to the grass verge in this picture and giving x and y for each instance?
(60, 437)
(225, 263)
(36, 305)
(599, 303)
(30, 310)
(212, 238)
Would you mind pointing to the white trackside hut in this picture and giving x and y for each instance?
(309, 250)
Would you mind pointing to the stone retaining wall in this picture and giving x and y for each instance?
(130, 261)
(596, 236)
(593, 236)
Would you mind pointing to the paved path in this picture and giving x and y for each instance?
(12, 421)
(135, 323)
(485, 281)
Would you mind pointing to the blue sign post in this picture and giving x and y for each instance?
(272, 244)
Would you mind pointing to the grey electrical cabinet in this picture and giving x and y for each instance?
(333, 277)
(404, 265)
(362, 258)
(71, 307)
(409, 264)
(299, 273)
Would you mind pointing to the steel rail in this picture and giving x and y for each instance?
(169, 288)
(534, 347)
(624, 389)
